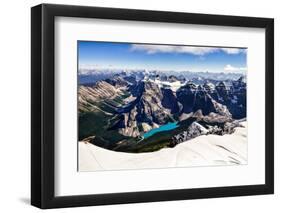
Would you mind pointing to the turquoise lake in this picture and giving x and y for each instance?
(166, 127)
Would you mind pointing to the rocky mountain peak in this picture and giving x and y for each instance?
(242, 79)
(172, 78)
(209, 87)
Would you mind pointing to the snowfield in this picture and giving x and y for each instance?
(205, 150)
(174, 86)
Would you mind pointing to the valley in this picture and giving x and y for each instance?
(145, 111)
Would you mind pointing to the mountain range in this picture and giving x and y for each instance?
(116, 111)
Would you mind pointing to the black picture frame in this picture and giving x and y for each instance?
(43, 111)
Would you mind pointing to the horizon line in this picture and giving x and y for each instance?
(159, 70)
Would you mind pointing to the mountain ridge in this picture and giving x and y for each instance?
(134, 103)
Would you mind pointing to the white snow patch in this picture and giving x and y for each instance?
(174, 86)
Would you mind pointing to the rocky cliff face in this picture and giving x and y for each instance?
(91, 97)
(146, 110)
(169, 101)
(193, 98)
(233, 96)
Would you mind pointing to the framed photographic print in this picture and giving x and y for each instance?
(139, 106)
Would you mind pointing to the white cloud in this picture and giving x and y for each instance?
(151, 49)
(233, 50)
(231, 68)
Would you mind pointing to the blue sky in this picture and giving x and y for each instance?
(109, 55)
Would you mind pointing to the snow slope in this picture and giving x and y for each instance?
(206, 150)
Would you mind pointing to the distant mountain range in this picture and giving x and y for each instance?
(88, 76)
(116, 109)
